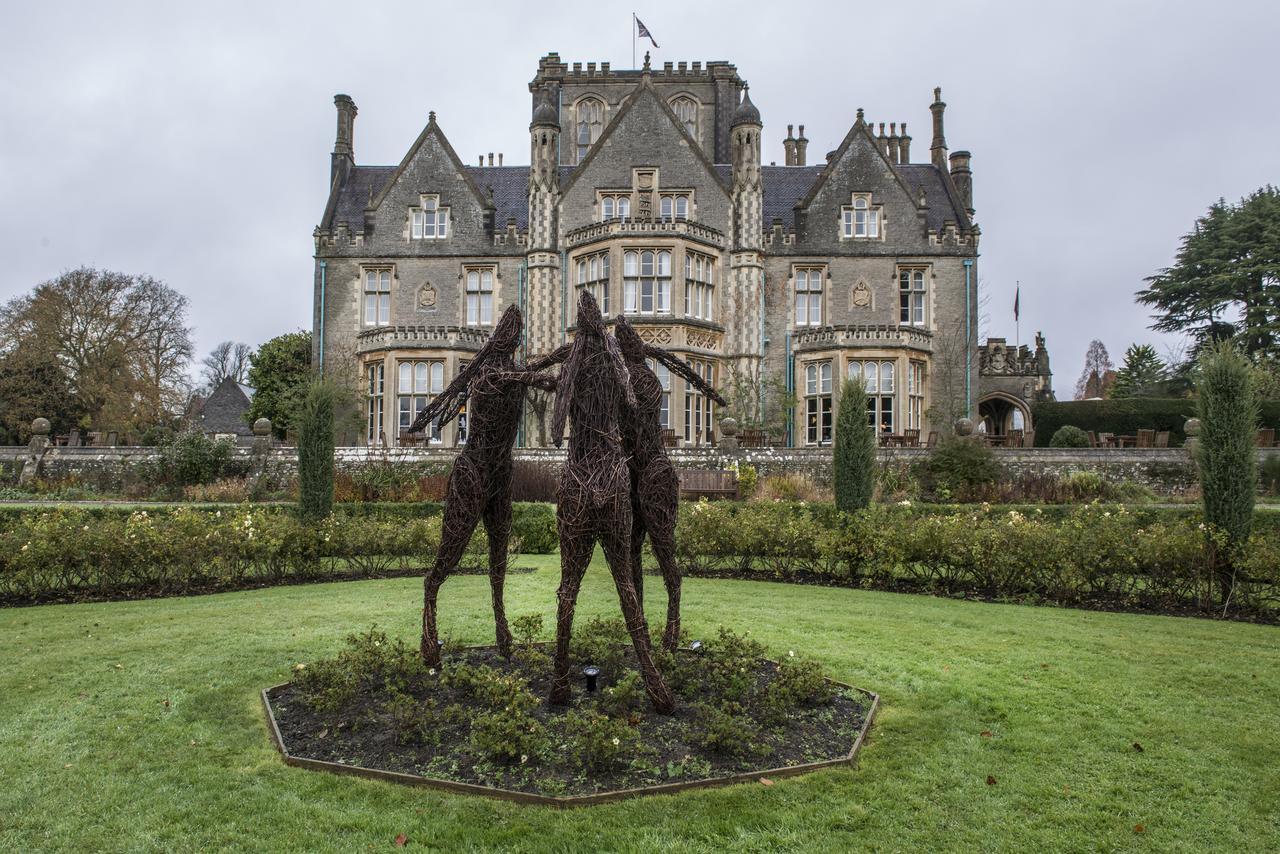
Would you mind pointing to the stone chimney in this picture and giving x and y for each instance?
(344, 155)
(893, 142)
(802, 144)
(904, 146)
(938, 149)
(962, 178)
(789, 147)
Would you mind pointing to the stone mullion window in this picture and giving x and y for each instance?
(418, 382)
(479, 293)
(375, 373)
(817, 403)
(430, 220)
(686, 110)
(699, 285)
(808, 295)
(915, 395)
(593, 275)
(673, 206)
(912, 293)
(589, 122)
(860, 220)
(664, 379)
(699, 410)
(646, 283)
(615, 206)
(880, 377)
(377, 297)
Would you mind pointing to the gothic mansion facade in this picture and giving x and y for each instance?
(647, 188)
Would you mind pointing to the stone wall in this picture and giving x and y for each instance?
(1166, 471)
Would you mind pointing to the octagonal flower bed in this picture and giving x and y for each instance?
(480, 722)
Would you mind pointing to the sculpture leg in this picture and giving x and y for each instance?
(576, 546)
(615, 537)
(660, 490)
(461, 512)
(497, 523)
(637, 544)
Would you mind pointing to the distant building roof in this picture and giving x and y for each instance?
(224, 410)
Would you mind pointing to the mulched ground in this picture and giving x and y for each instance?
(667, 752)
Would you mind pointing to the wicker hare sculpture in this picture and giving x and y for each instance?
(595, 490)
(655, 489)
(480, 483)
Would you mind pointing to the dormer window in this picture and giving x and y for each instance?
(589, 121)
(686, 110)
(674, 206)
(430, 220)
(612, 206)
(861, 218)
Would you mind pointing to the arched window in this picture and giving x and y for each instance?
(589, 123)
(686, 110)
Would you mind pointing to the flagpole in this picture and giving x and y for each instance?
(1017, 315)
(633, 41)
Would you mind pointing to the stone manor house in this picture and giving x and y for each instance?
(646, 187)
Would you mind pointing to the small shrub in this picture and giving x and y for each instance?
(533, 482)
(789, 487)
(748, 481)
(1069, 436)
(512, 734)
(598, 741)
(189, 458)
(603, 643)
(535, 527)
(959, 466)
(227, 490)
(625, 695)
(727, 729)
(527, 629)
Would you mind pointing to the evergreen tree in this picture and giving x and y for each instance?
(315, 450)
(1225, 280)
(1227, 455)
(1143, 373)
(854, 457)
(33, 386)
(279, 374)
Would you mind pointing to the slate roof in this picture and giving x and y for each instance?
(223, 411)
(783, 187)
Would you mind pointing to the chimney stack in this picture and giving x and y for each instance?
(938, 149)
(802, 144)
(344, 155)
(490, 158)
(499, 158)
(962, 177)
(893, 142)
(904, 145)
(789, 147)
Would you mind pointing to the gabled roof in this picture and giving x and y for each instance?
(644, 89)
(860, 130)
(363, 183)
(224, 409)
(432, 130)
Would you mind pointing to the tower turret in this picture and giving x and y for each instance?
(542, 319)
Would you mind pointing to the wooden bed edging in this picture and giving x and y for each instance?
(568, 800)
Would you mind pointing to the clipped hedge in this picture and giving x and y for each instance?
(1084, 555)
(1127, 416)
(107, 552)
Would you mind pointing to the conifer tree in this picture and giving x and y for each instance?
(315, 450)
(1143, 373)
(855, 449)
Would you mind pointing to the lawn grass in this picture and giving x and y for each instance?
(137, 726)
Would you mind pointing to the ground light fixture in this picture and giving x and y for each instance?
(592, 673)
(696, 646)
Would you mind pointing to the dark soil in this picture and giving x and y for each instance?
(363, 735)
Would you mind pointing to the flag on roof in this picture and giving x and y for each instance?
(643, 32)
(1017, 300)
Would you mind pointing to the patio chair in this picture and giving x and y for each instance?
(1013, 439)
(1266, 437)
(932, 441)
(1162, 439)
(73, 439)
(1029, 439)
(1093, 439)
(911, 438)
(1146, 438)
(1107, 440)
(113, 439)
(668, 438)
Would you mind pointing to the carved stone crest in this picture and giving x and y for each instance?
(861, 295)
(426, 296)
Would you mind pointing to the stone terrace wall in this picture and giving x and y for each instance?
(1166, 471)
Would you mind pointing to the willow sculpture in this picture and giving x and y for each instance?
(655, 488)
(480, 483)
(595, 491)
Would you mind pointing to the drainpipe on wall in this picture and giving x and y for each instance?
(968, 338)
(763, 342)
(524, 339)
(320, 325)
(564, 297)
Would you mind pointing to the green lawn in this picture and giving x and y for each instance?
(137, 726)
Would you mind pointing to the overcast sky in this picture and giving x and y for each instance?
(192, 143)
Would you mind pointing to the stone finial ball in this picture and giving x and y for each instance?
(41, 426)
(1192, 427)
(262, 427)
(728, 426)
(963, 426)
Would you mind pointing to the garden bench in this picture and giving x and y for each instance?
(703, 483)
(1266, 437)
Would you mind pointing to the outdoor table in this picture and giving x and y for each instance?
(1130, 441)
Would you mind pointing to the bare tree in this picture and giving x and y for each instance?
(1099, 372)
(122, 341)
(227, 360)
(952, 377)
